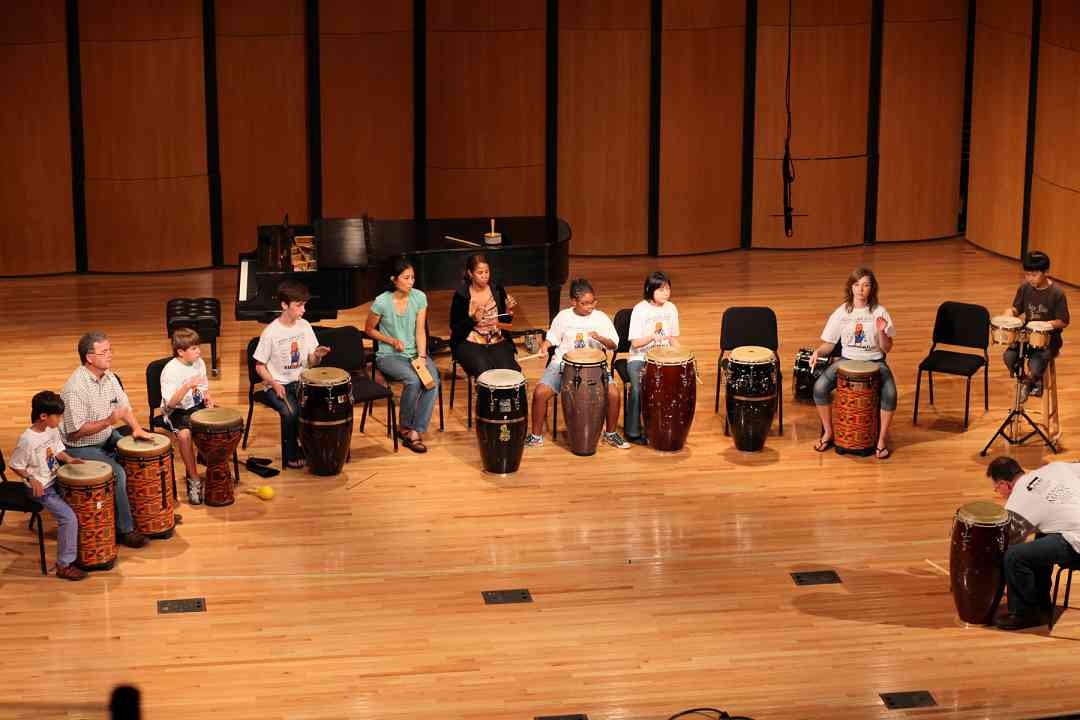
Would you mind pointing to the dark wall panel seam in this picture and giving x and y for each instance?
(420, 109)
(314, 109)
(1033, 97)
(873, 122)
(78, 140)
(213, 141)
(551, 105)
(656, 36)
(965, 131)
(746, 213)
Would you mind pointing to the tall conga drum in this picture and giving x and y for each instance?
(751, 395)
(856, 407)
(151, 485)
(584, 397)
(326, 418)
(668, 397)
(980, 537)
(217, 432)
(502, 415)
(88, 488)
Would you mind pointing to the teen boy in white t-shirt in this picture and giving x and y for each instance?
(285, 348)
(184, 390)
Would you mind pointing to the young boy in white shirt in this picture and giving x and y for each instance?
(579, 326)
(36, 460)
(184, 390)
(285, 348)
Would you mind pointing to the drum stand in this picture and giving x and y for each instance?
(1012, 427)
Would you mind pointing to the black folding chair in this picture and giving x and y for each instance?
(13, 497)
(621, 322)
(347, 353)
(963, 325)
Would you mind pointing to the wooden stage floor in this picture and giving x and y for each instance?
(660, 582)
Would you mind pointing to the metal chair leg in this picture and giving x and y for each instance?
(918, 389)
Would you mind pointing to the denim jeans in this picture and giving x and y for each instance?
(124, 523)
(1027, 571)
(67, 525)
(632, 411)
(290, 414)
(1037, 360)
(417, 402)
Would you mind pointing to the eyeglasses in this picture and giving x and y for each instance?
(102, 353)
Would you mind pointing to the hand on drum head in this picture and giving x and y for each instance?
(141, 434)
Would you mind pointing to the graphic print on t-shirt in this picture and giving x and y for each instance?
(860, 336)
(1037, 311)
(579, 341)
(294, 356)
(50, 460)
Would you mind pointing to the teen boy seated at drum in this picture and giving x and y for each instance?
(1046, 500)
(286, 347)
(1037, 298)
(35, 460)
(577, 327)
(184, 390)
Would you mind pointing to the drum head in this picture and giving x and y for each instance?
(669, 356)
(85, 474)
(324, 376)
(500, 379)
(1006, 321)
(752, 355)
(156, 445)
(856, 367)
(217, 418)
(585, 356)
(982, 513)
(1040, 326)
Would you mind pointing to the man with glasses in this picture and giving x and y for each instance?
(1046, 500)
(94, 401)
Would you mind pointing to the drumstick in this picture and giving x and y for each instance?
(937, 567)
(467, 242)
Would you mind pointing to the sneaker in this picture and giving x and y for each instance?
(194, 491)
(134, 539)
(637, 439)
(614, 439)
(1037, 390)
(69, 572)
(534, 440)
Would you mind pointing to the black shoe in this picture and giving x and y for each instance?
(134, 539)
(1019, 621)
(1037, 390)
(637, 439)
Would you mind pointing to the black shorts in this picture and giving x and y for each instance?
(179, 419)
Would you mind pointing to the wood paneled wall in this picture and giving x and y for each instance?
(366, 76)
(922, 109)
(1055, 189)
(702, 63)
(144, 115)
(261, 117)
(830, 64)
(999, 109)
(603, 153)
(486, 69)
(35, 140)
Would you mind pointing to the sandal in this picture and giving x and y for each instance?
(882, 453)
(824, 445)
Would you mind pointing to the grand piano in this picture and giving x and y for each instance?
(354, 256)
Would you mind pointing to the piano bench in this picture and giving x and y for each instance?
(203, 315)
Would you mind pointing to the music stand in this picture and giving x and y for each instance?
(1016, 414)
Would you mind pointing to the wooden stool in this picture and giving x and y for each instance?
(1051, 418)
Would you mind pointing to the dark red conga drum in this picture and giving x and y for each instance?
(584, 397)
(668, 397)
(980, 537)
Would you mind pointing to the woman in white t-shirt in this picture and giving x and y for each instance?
(654, 322)
(865, 331)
